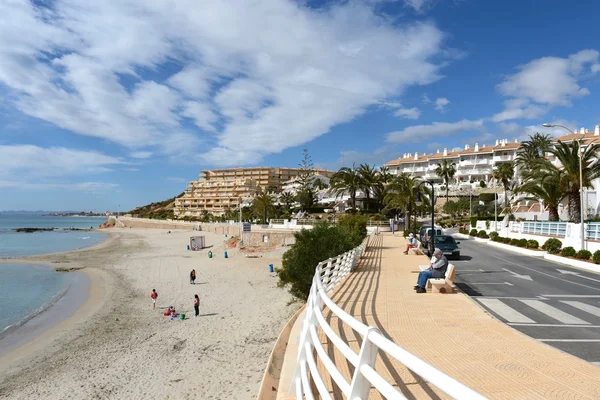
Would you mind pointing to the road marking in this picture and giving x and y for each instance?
(562, 271)
(596, 363)
(492, 283)
(555, 325)
(553, 312)
(548, 275)
(511, 298)
(584, 307)
(526, 277)
(579, 296)
(506, 312)
(571, 340)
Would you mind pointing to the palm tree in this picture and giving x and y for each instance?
(368, 180)
(262, 203)
(384, 178)
(446, 171)
(544, 184)
(346, 181)
(287, 199)
(532, 150)
(401, 194)
(568, 156)
(504, 173)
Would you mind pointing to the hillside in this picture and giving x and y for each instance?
(159, 210)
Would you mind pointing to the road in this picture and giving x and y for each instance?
(549, 302)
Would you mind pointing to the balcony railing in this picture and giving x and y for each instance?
(545, 228)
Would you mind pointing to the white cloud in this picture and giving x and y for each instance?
(177, 179)
(377, 157)
(408, 113)
(426, 99)
(521, 132)
(92, 187)
(419, 6)
(546, 82)
(28, 160)
(441, 103)
(141, 154)
(259, 77)
(419, 133)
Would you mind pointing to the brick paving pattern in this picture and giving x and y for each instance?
(448, 331)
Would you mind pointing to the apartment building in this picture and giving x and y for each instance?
(219, 190)
(473, 164)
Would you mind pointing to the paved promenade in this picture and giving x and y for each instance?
(450, 332)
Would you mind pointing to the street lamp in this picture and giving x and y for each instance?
(580, 181)
(418, 202)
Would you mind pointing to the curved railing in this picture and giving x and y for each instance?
(328, 274)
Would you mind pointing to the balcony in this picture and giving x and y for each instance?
(504, 158)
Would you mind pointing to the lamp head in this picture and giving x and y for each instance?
(419, 200)
(548, 125)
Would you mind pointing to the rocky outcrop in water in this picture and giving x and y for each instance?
(31, 230)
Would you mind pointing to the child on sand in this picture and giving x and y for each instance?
(196, 305)
(153, 296)
(193, 277)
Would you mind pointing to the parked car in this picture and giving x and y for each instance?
(448, 246)
(427, 228)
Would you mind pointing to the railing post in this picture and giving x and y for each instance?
(360, 386)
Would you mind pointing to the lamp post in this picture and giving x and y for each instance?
(580, 153)
(418, 202)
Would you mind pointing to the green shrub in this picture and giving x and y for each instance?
(494, 235)
(533, 244)
(514, 242)
(473, 222)
(473, 232)
(482, 233)
(583, 255)
(568, 252)
(596, 257)
(463, 231)
(522, 243)
(355, 226)
(552, 246)
(497, 238)
(312, 246)
(507, 240)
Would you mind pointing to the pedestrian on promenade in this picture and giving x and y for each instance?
(196, 305)
(437, 269)
(193, 277)
(412, 243)
(153, 296)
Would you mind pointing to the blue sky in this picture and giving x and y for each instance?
(118, 103)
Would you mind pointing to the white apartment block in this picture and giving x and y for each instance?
(473, 164)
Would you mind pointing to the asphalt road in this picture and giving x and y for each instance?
(549, 302)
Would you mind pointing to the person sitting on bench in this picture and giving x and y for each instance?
(436, 270)
(412, 243)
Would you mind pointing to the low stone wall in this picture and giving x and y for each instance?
(268, 238)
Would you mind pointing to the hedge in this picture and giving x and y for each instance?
(596, 257)
(568, 252)
(552, 246)
(533, 244)
(583, 255)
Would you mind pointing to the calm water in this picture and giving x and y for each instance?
(26, 290)
(13, 244)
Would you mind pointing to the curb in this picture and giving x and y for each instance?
(527, 252)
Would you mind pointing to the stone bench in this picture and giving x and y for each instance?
(441, 285)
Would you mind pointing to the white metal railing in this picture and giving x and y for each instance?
(592, 230)
(545, 228)
(327, 274)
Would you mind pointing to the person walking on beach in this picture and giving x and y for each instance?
(196, 305)
(193, 277)
(153, 296)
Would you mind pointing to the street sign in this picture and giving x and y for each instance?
(247, 227)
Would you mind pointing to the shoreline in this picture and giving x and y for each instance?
(116, 346)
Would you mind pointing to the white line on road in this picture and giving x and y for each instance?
(506, 312)
(548, 275)
(571, 340)
(554, 312)
(526, 277)
(562, 271)
(492, 283)
(555, 325)
(579, 296)
(596, 363)
(513, 298)
(583, 307)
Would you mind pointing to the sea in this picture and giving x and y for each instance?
(27, 290)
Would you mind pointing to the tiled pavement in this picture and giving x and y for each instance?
(450, 332)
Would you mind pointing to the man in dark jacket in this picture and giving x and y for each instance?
(436, 270)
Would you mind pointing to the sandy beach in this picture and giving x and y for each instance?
(219, 355)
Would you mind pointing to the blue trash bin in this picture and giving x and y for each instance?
(188, 246)
(225, 254)
(271, 269)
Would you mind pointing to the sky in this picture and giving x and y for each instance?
(106, 105)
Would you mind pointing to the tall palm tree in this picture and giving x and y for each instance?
(384, 178)
(544, 184)
(532, 150)
(446, 170)
(287, 199)
(504, 173)
(346, 181)
(567, 154)
(401, 194)
(368, 180)
(262, 203)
